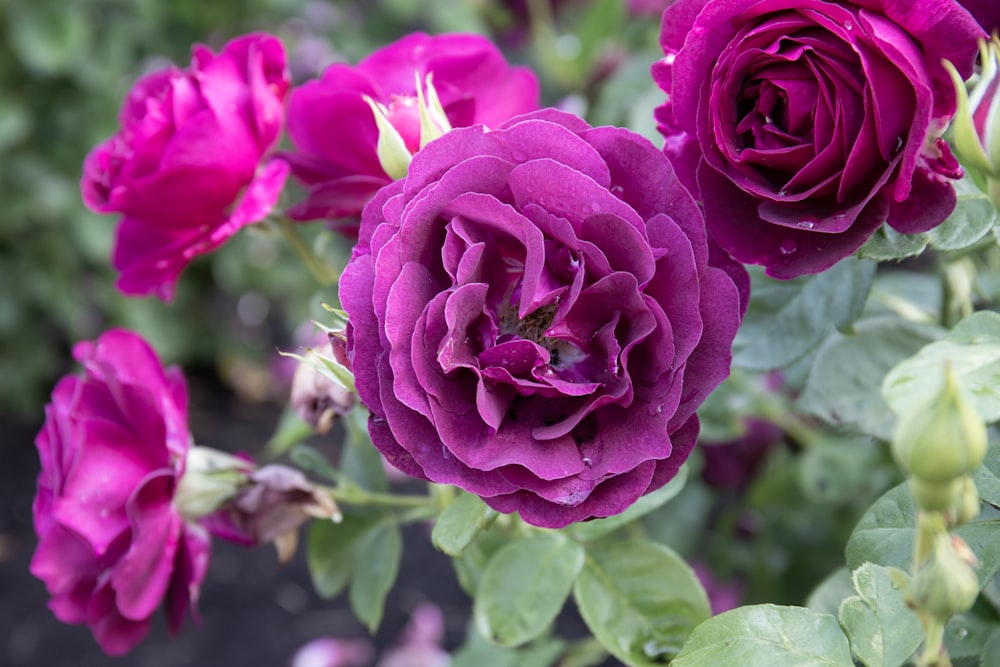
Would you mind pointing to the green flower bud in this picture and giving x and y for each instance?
(936, 496)
(946, 583)
(942, 440)
(975, 128)
(969, 505)
(393, 155)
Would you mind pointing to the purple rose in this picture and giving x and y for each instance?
(805, 125)
(185, 170)
(333, 128)
(535, 317)
(111, 545)
(987, 12)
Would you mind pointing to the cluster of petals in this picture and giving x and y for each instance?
(804, 125)
(535, 315)
(187, 168)
(333, 128)
(111, 545)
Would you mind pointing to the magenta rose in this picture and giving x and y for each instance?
(111, 546)
(805, 125)
(333, 127)
(186, 169)
(535, 317)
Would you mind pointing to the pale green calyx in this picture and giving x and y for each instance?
(433, 121)
(393, 155)
(942, 440)
(210, 479)
(975, 129)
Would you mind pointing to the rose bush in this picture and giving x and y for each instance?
(185, 170)
(535, 317)
(333, 128)
(806, 125)
(111, 545)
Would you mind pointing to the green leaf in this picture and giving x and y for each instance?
(767, 635)
(787, 319)
(883, 631)
(972, 349)
(837, 470)
(966, 636)
(640, 600)
(991, 652)
(478, 652)
(887, 244)
(885, 535)
(460, 522)
(470, 566)
(331, 552)
(987, 476)
(826, 598)
(592, 530)
(360, 461)
(310, 459)
(845, 384)
(377, 563)
(973, 218)
(290, 431)
(524, 587)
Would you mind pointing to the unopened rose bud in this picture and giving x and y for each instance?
(317, 399)
(976, 125)
(943, 440)
(946, 583)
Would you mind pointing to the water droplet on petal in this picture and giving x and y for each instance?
(587, 461)
(788, 248)
(782, 193)
(807, 224)
(848, 25)
(962, 633)
(618, 191)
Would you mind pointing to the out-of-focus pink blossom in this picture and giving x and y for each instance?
(111, 544)
(721, 596)
(186, 169)
(330, 652)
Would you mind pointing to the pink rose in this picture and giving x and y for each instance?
(334, 130)
(111, 545)
(185, 170)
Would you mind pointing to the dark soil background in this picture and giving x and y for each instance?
(253, 612)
